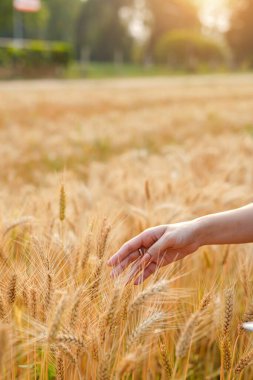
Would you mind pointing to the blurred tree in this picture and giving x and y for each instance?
(101, 33)
(6, 18)
(55, 21)
(168, 15)
(35, 24)
(240, 34)
(189, 50)
(62, 19)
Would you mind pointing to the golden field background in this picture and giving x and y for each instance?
(127, 154)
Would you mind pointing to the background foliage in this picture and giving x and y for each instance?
(103, 31)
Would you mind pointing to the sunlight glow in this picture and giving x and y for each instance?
(214, 14)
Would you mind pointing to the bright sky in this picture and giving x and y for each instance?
(214, 14)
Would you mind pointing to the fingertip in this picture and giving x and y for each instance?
(146, 258)
(112, 261)
(138, 280)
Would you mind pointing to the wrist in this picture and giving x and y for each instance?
(202, 230)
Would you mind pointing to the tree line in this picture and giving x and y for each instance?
(103, 30)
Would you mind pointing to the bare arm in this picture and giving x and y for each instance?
(167, 243)
(229, 227)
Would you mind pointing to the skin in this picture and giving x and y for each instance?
(164, 244)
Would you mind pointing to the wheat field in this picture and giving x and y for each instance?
(86, 165)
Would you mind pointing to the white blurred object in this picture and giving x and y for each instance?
(248, 326)
(27, 5)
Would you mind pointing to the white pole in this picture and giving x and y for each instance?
(17, 27)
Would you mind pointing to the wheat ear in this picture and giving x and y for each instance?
(75, 310)
(4, 339)
(185, 339)
(25, 297)
(244, 362)
(147, 190)
(225, 348)
(48, 296)
(165, 359)
(12, 289)
(71, 339)
(67, 351)
(125, 302)
(59, 368)
(62, 204)
(228, 311)
(155, 319)
(149, 292)
(110, 315)
(96, 280)
(55, 325)
(103, 373)
(86, 251)
(205, 301)
(103, 239)
(2, 307)
(33, 302)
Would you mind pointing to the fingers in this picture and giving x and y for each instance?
(158, 248)
(167, 258)
(129, 247)
(150, 269)
(124, 263)
(170, 256)
(140, 265)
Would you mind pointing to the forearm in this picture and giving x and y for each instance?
(229, 227)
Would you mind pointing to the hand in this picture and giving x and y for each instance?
(160, 245)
